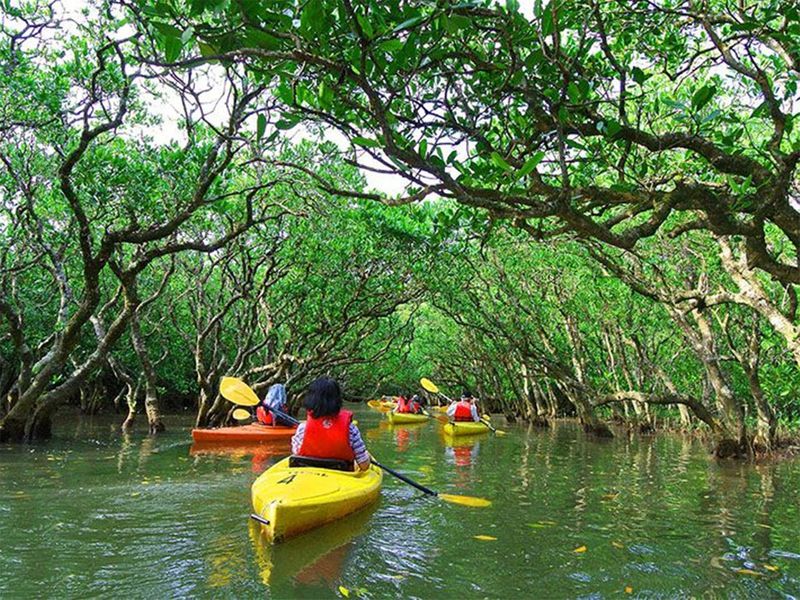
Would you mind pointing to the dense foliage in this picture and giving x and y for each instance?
(601, 216)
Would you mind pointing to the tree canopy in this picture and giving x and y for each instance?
(601, 215)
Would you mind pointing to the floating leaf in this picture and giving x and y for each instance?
(749, 572)
(628, 589)
(618, 545)
(485, 538)
(772, 568)
(580, 550)
(609, 496)
(344, 591)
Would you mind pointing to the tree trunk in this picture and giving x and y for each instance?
(151, 406)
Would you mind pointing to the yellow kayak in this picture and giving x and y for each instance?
(465, 428)
(440, 409)
(402, 418)
(296, 499)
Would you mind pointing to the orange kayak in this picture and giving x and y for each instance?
(243, 433)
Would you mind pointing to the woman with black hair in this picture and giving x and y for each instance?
(328, 431)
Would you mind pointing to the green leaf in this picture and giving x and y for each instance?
(500, 161)
(366, 26)
(423, 148)
(167, 30)
(172, 48)
(206, 49)
(187, 35)
(702, 96)
(409, 23)
(366, 142)
(611, 127)
(261, 126)
(530, 165)
(392, 45)
(639, 76)
(325, 95)
(288, 122)
(313, 19)
(261, 39)
(573, 92)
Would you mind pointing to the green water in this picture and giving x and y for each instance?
(92, 514)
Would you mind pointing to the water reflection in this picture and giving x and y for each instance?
(262, 454)
(462, 450)
(318, 556)
(405, 435)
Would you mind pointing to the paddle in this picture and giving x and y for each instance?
(241, 414)
(434, 389)
(238, 392)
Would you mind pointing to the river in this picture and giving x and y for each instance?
(95, 514)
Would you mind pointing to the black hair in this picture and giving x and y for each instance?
(466, 394)
(324, 397)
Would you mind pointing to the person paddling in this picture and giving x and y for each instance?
(463, 409)
(328, 431)
(274, 400)
(409, 406)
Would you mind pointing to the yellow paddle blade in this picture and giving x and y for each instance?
(237, 391)
(466, 500)
(429, 385)
(374, 403)
(241, 414)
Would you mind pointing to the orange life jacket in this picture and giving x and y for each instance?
(463, 411)
(328, 437)
(264, 416)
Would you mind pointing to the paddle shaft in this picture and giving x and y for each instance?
(405, 479)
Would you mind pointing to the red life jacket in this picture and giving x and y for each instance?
(328, 437)
(463, 411)
(264, 416)
(415, 407)
(403, 405)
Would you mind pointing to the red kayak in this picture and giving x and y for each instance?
(243, 433)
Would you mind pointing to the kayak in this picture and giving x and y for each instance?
(403, 418)
(465, 428)
(244, 433)
(295, 499)
(440, 409)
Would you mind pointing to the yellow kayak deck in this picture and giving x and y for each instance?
(465, 428)
(296, 499)
(402, 418)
